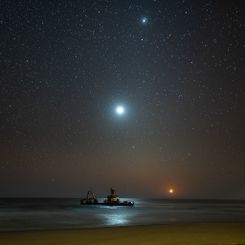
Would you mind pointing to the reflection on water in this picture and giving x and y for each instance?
(114, 216)
(24, 214)
(115, 219)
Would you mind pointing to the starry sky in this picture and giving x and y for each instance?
(176, 67)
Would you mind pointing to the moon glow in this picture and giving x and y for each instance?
(120, 110)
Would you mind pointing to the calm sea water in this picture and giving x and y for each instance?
(45, 214)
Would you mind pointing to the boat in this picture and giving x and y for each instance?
(125, 203)
(90, 199)
(112, 200)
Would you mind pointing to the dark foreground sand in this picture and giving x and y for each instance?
(208, 234)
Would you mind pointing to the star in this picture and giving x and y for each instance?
(144, 20)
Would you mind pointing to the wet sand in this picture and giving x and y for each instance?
(208, 234)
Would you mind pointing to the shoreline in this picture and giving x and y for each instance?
(124, 226)
(191, 233)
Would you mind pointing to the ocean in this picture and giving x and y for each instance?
(18, 214)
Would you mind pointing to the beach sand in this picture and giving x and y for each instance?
(208, 234)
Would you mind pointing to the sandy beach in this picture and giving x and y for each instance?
(208, 233)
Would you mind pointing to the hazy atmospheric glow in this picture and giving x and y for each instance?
(146, 97)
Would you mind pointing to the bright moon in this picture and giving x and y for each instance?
(120, 110)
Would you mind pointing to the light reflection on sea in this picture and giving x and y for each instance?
(36, 214)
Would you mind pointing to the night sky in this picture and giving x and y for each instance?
(175, 67)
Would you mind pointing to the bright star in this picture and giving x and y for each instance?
(120, 110)
(144, 20)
